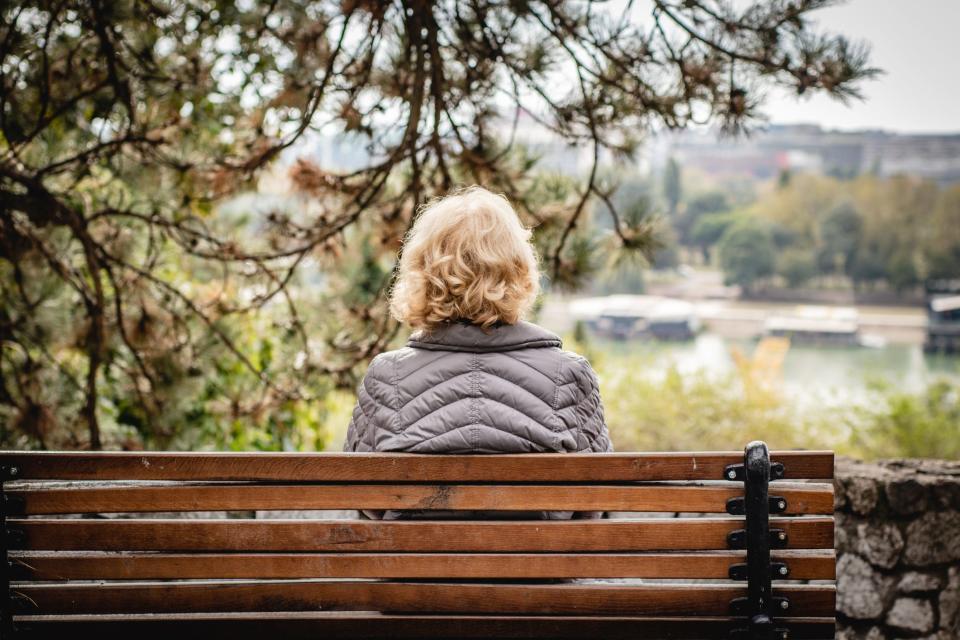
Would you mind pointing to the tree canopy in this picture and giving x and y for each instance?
(746, 251)
(131, 295)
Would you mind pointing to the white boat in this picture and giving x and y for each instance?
(816, 324)
(626, 317)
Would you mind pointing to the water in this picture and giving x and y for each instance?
(810, 373)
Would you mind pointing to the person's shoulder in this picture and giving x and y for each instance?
(382, 365)
(390, 364)
(573, 359)
(575, 367)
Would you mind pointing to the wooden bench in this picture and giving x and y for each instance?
(99, 574)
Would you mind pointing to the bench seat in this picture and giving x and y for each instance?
(110, 544)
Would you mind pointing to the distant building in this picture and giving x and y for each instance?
(812, 149)
(764, 154)
(943, 317)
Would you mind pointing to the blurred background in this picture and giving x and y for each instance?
(748, 212)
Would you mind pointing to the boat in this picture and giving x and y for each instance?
(943, 324)
(629, 317)
(816, 325)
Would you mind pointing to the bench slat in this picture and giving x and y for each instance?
(390, 467)
(401, 597)
(651, 534)
(336, 625)
(810, 499)
(818, 565)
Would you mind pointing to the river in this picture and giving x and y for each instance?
(822, 374)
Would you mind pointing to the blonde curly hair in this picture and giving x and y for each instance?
(467, 258)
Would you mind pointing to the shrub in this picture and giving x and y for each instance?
(924, 425)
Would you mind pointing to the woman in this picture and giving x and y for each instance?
(474, 377)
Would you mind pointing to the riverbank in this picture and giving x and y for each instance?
(810, 375)
(743, 319)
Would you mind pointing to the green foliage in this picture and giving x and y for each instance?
(841, 231)
(746, 253)
(708, 202)
(943, 263)
(902, 271)
(943, 253)
(711, 202)
(684, 411)
(624, 277)
(627, 235)
(875, 232)
(924, 425)
(797, 266)
(675, 411)
(870, 264)
(668, 256)
(710, 227)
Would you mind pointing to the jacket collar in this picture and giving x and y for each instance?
(458, 336)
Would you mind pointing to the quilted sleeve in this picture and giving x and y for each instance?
(357, 430)
(594, 436)
(361, 433)
(593, 427)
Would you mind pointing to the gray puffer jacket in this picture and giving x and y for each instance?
(463, 389)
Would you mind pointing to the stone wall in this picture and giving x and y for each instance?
(898, 549)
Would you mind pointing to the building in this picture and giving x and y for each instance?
(943, 316)
(809, 148)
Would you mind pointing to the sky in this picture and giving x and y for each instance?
(916, 43)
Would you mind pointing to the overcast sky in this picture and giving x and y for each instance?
(917, 44)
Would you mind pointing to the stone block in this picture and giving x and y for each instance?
(945, 493)
(920, 582)
(949, 603)
(879, 542)
(845, 632)
(906, 496)
(862, 494)
(912, 615)
(933, 538)
(875, 633)
(862, 591)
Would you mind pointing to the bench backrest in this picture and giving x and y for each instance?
(141, 547)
